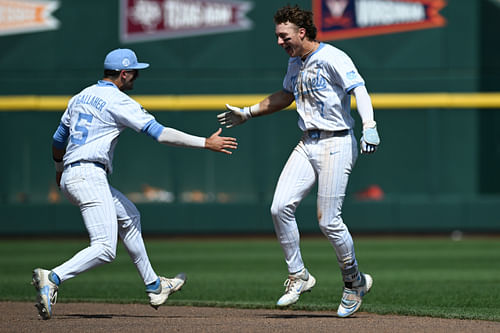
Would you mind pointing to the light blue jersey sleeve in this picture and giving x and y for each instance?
(290, 79)
(153, 129)
(60, 136)
(345, 71)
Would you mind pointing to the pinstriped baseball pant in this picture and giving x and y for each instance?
(328, 161)
(106, 213)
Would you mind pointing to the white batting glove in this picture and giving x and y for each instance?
(235, 116)
(370, 139)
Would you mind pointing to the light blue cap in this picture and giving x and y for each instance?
(121, 59)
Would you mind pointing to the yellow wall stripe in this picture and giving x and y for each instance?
(217, 102)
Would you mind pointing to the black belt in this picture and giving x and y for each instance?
(97, 164)
(318, 134)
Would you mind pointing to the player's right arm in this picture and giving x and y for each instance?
(173, 137)
(273, 103)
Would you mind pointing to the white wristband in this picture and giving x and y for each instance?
(59, 166)
(369, 124)
(247, 112)
(254, 110)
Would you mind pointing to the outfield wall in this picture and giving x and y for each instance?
(436, 168)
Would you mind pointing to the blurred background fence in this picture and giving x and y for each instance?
(435, 93)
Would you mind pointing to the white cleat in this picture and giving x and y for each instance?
(167, 287)
(296, 284)
(352, 297)
(46, 292)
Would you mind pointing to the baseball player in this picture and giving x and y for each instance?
(83, 147)
(321, 79)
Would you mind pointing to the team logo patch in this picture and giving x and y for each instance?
(126, 62)
(142, 20)
(344, 19)
(351, 75)
(25, 16)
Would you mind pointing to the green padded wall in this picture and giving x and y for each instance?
(437, 167)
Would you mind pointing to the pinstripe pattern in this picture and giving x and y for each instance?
(94, 131)
(106, 213)
(321, 85)
(96, 117)
(130, 231)
(328, 161)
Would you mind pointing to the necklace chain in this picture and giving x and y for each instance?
(307, 53)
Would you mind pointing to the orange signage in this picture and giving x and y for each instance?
(344, 19)
(23, 16)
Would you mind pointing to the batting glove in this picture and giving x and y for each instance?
(370, 139)
(235, 116)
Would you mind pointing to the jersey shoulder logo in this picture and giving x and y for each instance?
(351, 75)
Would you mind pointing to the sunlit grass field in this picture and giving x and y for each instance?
(425, 276)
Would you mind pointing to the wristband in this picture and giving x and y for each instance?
(369, 124)
(247, 111)
(59, 166)
(255, 108)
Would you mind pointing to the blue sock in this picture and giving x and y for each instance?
(54, 278)
(153, 286)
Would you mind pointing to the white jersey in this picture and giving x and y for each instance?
(95, 118)
(321, 85)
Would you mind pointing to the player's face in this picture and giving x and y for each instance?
(128, 78)
(290, 38)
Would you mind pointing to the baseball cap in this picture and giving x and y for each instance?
(123, 59)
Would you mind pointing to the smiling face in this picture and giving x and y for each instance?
(290, 38)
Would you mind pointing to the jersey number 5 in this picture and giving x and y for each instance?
(81, 129)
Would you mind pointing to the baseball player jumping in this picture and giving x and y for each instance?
(92, 122)
(321, 80)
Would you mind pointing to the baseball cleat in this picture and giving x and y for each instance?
(352, 297)
(46, 292)
(296, 284)
(166, 287)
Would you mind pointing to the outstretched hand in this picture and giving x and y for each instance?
(221, 143)
(235, 116)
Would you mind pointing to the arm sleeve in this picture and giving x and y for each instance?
(60, 136)
(364, 106)
(173, 137)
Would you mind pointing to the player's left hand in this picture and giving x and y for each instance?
(370, 140)
(235, 116)
(220, 143)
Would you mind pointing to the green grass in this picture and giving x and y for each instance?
(412, 276)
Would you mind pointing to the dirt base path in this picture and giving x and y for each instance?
(97, 317)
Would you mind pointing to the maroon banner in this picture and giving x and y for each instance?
(143, 20)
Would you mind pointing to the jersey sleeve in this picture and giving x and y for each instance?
(129, 113)
(346, 73)
(290, 77)
(65, 118)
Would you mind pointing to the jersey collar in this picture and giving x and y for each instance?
(104, 83)
(321, 45)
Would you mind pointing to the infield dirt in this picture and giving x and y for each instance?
(100, 317)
